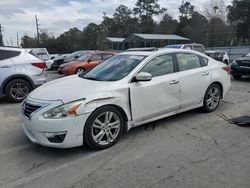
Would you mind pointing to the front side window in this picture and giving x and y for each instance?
(188, 61)
(114, 68)
(106, 56)
(160, 65)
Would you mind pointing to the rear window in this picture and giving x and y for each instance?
(198, 48)
(6, 54)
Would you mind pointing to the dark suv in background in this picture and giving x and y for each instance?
(241, 66)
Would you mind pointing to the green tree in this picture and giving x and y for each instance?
(239, 15)
(167, 25)
(69, 41)
(186, 10)
(145, 10)
(93, 37)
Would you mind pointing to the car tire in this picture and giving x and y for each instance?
(237, 77)
(98, 133)
(17, 90)
(79, 70)
(212, 98)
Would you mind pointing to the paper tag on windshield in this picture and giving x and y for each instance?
(136, 57)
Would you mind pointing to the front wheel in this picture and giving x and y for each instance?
(104, 128)
(79, 70)
(212, 98)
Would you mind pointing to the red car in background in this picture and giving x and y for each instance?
(84, 63)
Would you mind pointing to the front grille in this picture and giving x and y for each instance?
(244, 64)
(28, 109)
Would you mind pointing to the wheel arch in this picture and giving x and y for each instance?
(19, 76)
(120, 109)
(220, 85)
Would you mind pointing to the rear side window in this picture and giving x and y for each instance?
(188, 61)
(6, 54)
(198, 48)
(204, 61)
(106, 56)
(160, 65)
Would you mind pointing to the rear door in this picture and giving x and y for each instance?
(160, 95)
(6, 64)
(194, 79)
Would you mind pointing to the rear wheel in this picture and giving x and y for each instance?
(17, 89)
(103, 128)
(212, 98)
(79, 70)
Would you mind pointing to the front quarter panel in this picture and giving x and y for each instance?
(117, 97)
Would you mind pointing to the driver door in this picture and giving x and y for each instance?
(159, 96)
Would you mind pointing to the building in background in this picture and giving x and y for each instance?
(144, 40)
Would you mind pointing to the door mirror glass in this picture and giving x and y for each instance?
(143, 77)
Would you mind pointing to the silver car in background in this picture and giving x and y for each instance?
(20, 73)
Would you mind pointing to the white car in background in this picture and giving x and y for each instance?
(20, 73)
(125, 91)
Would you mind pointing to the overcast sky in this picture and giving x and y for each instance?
(58, 16)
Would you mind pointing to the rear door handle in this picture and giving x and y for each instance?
(173, 82)
(205, 73)
(5, 67)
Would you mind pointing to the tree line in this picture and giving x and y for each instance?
(217, 25)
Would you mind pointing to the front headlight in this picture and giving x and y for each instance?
(66, 110)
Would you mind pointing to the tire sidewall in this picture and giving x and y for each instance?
(87, 133)
(205, 106)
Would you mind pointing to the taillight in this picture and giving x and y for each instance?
(227, 69)
(39, 65)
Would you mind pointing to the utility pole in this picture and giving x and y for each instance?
(17, 40)
(37, 30)
(11, 41)
(1, 36)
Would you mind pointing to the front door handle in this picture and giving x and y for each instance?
(205, 74)
(173, 82)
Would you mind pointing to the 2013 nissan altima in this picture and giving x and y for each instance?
(127, 90)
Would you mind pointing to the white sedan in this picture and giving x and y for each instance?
(127, 90)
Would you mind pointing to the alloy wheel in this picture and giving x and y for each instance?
(19, 91)
(106, 128)
(213, 98)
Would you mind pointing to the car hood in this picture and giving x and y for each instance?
(68, 89)
(243, 59)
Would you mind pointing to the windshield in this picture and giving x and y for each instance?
(114, 68)
(247, 55)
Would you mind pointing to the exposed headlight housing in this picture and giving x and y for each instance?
(63, 111)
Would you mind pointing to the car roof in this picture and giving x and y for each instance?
(12, 48)
(159, 51)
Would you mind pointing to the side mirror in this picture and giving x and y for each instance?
(89, 60)
(143, 77)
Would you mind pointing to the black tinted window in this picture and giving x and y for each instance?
(5, 54)
(188, 61)
(160, 65)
